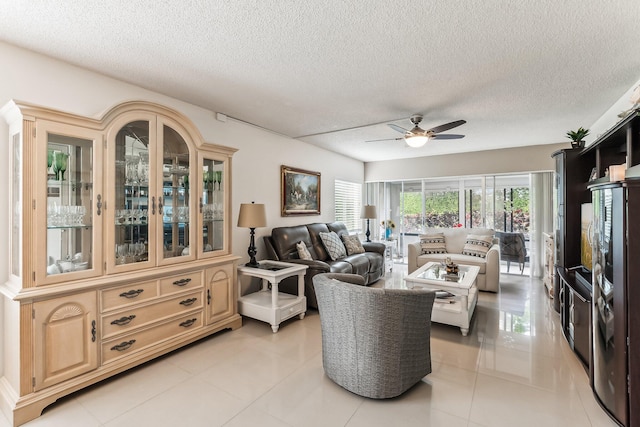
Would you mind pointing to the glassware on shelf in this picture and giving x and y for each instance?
(207, 178)
(131, 172)
(122, 250)
(59, 164)
(218, 179)
(207, 212)
(65, 216)
(181, 214)
(49, 159)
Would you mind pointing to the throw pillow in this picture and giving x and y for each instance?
(303, 252)
(477, 245)
(433, 243)
(352, 244)
(333, 245)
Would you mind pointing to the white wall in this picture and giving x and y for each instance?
(490, 162)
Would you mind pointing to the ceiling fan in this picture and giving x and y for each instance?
(417, 137)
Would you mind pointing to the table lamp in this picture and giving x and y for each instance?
(368, 212)
(252, 216)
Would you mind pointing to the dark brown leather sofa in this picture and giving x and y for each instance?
(281, 246)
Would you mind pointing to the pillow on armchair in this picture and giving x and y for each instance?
(477, 245)
(433, 243)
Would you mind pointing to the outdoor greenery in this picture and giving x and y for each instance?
(441, 210)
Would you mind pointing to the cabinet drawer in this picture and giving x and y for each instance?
(135, 317)
(180, 283)
(131, 343)
(125, 295)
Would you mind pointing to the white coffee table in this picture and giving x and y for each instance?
(454, 311)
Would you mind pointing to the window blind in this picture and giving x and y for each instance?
(348, 203)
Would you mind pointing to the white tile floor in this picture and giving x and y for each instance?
(514, 369)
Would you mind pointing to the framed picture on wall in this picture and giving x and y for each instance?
(300, 191)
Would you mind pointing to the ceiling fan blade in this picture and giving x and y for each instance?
(386, 139)
(446, 126)
(397, 128)
(447, 136)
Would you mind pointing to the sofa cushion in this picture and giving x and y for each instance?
(334, 246)
(303, 252)
(477, 245)
(359, 264)
(352, 244)
(340, 266)
(433, 243)
(284, 241)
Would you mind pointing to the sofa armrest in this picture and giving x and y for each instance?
(414, 250)
(314, 264)
(492, 271)
(374, 247)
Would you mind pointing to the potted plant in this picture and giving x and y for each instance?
(577, 137)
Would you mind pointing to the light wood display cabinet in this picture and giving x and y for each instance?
(120, 247)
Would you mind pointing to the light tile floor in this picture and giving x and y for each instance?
(514, 368)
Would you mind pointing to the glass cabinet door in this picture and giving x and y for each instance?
(174, 202)
(73, 202)
(131, 209)
(213, 195)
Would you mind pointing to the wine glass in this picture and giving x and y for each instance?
(59, 164)
(49, 159)
(218, 178)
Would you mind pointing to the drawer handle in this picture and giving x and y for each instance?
(124, 320)
(123, 345)
(181, 282)
(188, 302)
(188, 323)
(132, 293)
(93, 331)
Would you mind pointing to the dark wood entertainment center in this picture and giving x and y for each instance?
(598, 304)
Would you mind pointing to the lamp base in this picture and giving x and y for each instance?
(368, 233)
(252, 250)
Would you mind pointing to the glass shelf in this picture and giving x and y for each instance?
(75, 226)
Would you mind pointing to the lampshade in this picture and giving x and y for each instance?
(252, 216)
(416, 141)
(369, 212)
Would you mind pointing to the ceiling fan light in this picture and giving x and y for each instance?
(416, 141)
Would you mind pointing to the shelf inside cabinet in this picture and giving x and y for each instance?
(63, 227)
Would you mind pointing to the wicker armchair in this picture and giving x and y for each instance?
(375, 341)
(513, 248)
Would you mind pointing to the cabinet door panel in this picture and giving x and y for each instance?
(68, 172)
(65, 338)
(221, 297)
(176, 157)
(132, 212)
(213, 198)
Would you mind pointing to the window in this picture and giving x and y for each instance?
(348, 203)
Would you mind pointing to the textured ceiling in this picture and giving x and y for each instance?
(519, 72)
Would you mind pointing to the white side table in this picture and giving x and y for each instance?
(269, 305)
(390, 247)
